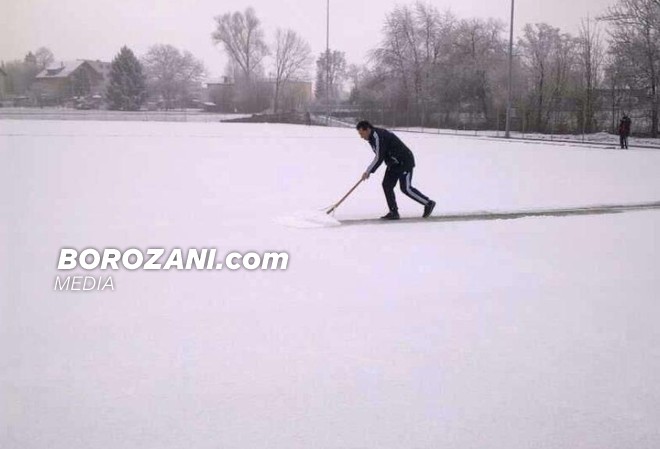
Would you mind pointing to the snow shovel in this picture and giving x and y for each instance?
(333, 208)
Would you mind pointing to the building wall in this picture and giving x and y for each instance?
(104, 69)
(50, 87)
(294, 96)
(223, 95)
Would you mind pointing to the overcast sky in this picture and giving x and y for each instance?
(96, 29)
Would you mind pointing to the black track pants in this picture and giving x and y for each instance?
(395, 174)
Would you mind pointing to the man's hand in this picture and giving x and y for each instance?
(365, 176)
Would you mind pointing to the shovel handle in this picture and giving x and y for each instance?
(344, 197)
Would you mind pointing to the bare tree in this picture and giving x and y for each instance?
(619, 77)
(171, 74)
(562, 70)
(537, 45)
(404, 19)
(243, 40)
(392, 58)
(44, 57)
(332, 63)
(411, 49)
(292, 60)
(21, 74)
(590, 60)
(355, 74)
(635, 40)
(479, 51)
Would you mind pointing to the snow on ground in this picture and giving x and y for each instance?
(536, 332)
(600, 138)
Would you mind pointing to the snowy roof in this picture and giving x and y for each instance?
(101, 66)
(62, 69)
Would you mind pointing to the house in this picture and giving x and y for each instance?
(65, 80)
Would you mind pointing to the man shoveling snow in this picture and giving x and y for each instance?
(400, 162)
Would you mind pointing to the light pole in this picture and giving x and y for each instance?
(507, 132)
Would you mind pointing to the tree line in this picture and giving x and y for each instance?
(430, 68)
(434, 69)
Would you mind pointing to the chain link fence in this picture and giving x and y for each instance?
(562, 126)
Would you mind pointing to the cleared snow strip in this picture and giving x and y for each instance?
(308, 219)
(508, 215)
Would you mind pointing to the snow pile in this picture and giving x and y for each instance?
(308, 219)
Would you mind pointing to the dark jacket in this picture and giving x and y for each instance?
(624, 126)
(388, 148)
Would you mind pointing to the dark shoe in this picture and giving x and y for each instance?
(391, 215)
(428, 208)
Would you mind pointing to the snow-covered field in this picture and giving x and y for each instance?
(529, 333)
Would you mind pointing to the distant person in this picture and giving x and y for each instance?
(398, 158)
(624, 131)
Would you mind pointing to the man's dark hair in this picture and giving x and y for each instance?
(363, 124)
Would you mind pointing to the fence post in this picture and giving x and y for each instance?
(552, 127)
(584, 118)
